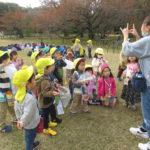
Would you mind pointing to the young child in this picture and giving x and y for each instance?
(128, 93)
(91, 85)
(18, 62)
(35, 56)
(6, 93)
(98, 60)
(59, 62)
(89, 46)
(78, 90)
(69, 55)
(26, 107)
(46, 93)
(122, 66)
(77, 48)
(106, 86)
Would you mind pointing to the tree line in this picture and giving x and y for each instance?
(72, 18)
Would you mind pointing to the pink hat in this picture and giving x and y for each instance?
(104, 67)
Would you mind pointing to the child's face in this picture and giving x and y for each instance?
(57, 55)
(132, 59)
(90, 72)
(81, 66)
(49, 69)
(15, 57)
(31, 85)
(106, 73)
(99, 56)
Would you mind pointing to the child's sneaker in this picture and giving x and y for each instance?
(57, 120)
(14, 121)
(119, 79)
(50, 131)
(6, 129)
(133, 107)
(36, 145)
(52, 124)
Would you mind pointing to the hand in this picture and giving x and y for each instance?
(56, 93)
(134, 32)
(125, 32)
(19, 125)
(84, 82)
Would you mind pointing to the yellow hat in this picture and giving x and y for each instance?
(77, 41)
(2, 53)
(42, 63)
(99, 51)
(20, 80)
(88, 66)
(53, 50)
(89, 42)
(34, 55)
(76, 61)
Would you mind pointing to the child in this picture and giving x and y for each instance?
(89, 46)
(92, 85)
(46, 93)
(128, 93)
(98, 60)
(18, 62)
(78, 49)
(6, 97)
(106, 86)
(26, 107)
(122, 66)
(69, 55)
(59, 62)
(79, 90)
(35, 56)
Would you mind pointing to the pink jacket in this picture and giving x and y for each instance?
(104, 85)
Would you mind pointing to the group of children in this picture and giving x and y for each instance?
(36, 89)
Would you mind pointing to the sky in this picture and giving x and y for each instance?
(24, 3)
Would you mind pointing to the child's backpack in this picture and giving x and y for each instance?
(139, 82)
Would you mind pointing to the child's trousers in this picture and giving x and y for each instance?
(4, 107)
(78, 102)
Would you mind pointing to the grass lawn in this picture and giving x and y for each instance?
(103, 129)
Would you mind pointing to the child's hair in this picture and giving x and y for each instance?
(67, 50)
(4, 57)
(30, 80)
(111, 75)
(128, 61)
(95, 55)
(89, 69)
(79, 64)
(146, 21)
(12, 53)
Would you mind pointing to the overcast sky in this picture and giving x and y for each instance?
(24, 3)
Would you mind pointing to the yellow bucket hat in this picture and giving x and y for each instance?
(34, 55)
(99, 51)
(20, 80)
(2, 53)
(53, 50)
(88, 66)
(42, 63)
(77, 41)
(89, 42)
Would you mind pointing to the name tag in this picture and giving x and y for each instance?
(77, 91)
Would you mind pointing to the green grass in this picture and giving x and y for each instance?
(103, 129)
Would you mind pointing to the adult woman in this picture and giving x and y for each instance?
(141, 50)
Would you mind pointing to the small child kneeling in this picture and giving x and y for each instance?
(107, 87)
